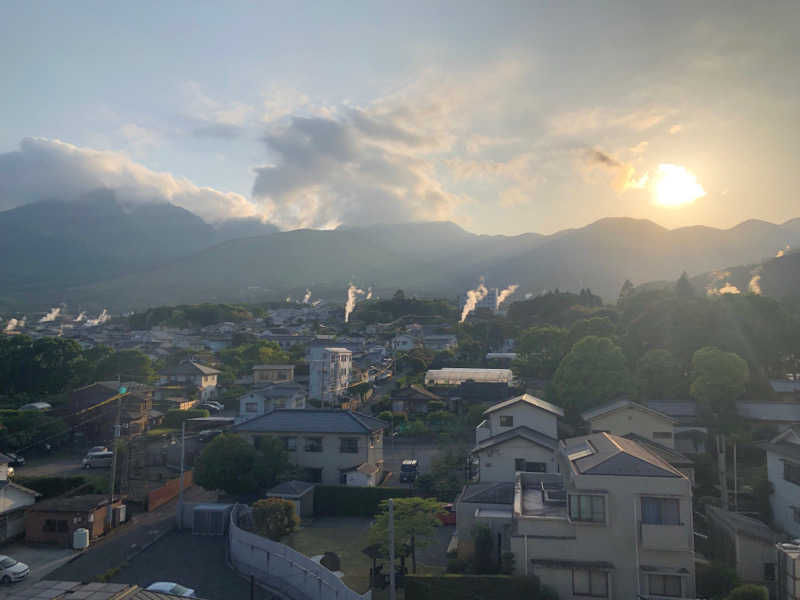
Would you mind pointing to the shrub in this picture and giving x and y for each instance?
(749, 592)
(275, 517)
(338, 501)
(507, 564)
(482, 539)
(176, 417)
(474, 587)
(715, 581)
(456, 565)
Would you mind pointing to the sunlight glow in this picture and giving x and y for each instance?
(674, 186)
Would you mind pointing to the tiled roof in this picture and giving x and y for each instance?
(742, 524)
(528, 399)
(291, 488)
(522, 431)
(312, 421)
(620, 404)
(72, 504)
(674, 409)
(670, 455)
(189, 368)
(613, 455)
(489, 493)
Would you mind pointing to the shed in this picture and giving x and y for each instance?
(53, 521)
(299, 492)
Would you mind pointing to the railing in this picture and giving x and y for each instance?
(278, 567)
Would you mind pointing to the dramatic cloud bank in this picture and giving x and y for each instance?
(44, 169)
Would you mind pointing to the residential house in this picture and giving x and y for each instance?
(272, 374)
(625, 416)
(489, 503)
(412, 399)
(54, 521)
(788, 571)
(438, 342)
(286, 340)
(690, 434)
(744, 544)
(14, 498)
(680, 461)
(329, 374)
(328, 443)
(193, 375)
(279, 395)
(783, 472)
(404, 342)
(519, 434)
(616, 523)
(787, 390)
(781, 414)
(100, 401)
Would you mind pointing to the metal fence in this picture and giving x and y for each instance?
(278, 567)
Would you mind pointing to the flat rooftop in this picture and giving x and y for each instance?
(541, 495)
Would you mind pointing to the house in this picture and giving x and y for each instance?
(286, 340)
(270, 397)
(100, 399)
(412, 399)
(783, 472)
(491, 503)
(272, 374)
(53, 521)
(519, 434)
(781, 414)
(744, 544)
(14, 498)
(192, 374)
(327, 443)
(299, 492)
(439, 342)
(690, 435)
(680, 461)
(329, 374)
(616, 522)
(625, 416)
(788, 571)
(404, 342)
(787, 390)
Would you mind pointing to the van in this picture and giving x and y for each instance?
(98, 460)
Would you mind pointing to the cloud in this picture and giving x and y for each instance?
(360, 168)
(623, 174)
(225, 131)
(677, 128)
(44, 169)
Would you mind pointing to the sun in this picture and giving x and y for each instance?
(675, 186)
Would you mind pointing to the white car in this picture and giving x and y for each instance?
(170, 587)
(12, 570)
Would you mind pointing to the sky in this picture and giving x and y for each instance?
(504, 117)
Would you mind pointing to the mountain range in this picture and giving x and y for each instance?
(96, 253)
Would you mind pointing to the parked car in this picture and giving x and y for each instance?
(218, 405)
(212, 408)
(98, 460)
(409, 470)
(95, 449)
(12, 570)
(448, 515)
(15, 460)
(208, 434)
(170, 587)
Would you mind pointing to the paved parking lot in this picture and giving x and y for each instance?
(41, 559)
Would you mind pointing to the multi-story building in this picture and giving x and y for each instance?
(335, 447)
(783, 471)
(272, 374)
(279, 395)
(329, 374)
(190, 374)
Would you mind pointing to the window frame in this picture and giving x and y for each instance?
(589, 573)
(662, 514)
(506, 420)
(791, 472)
(581, 508)
(311, 446)
(664, 577)
(287, 443)
(348, 445)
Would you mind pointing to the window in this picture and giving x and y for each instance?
(795, 513)
(664, 585)
(520, 464)
(343, 477)
(314, 475)
(661, 511)
(590, 582)
(58, 525)
(290, 444)
(583, 507)
(662, 435)
(314, 444)
(506, 421)
(251, 407)
(791, 472)
(769, 571)
(348, 445)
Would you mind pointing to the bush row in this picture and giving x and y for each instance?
(334, 501)
(475, 587)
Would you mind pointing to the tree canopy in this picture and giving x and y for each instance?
(414, 525)
(275, 518)
(718, 380)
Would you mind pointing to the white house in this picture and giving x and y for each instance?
(190, 373)
(783, 471)
(329, 374)
(270, 397)
(438, 342)
(13, 500)
(625, 416)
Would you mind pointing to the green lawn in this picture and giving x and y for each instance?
(347, 537)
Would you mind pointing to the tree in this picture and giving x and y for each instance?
(275, 518)
(227, 464)
(684, 289)
(658, 376)
(128, 364)
(593, 373)
(414, 525)
(272, 461)
(749, 591)
(715, 581)
(627, 289)
(598, 326)
(482, 541)
(718, 380)
(399, 296)
(539, 350)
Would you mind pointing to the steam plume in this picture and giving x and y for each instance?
(101, 318)
(288, 298)
(11, 325)
(369, 293)
(473, 297)
(307, 296)
(728, 289)
(80, 317)
(506, 293)
(51, 316)
(352, 295)
(783, 251)
(755, 284)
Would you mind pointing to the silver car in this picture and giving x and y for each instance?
(12, 570)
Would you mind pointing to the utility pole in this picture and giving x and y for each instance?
(110, 513)
(180, 489)
(735, 480)
(722, 466)
(392, 592)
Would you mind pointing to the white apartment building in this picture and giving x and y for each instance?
(329, 374)
(783, 471)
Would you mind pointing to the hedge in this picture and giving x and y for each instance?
(175, 417)
(475, 587)
(50, 487)
(335, 501)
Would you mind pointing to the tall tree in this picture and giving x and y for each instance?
(684, 289)
(414, 525)
(658, 376)
(718, 380)
(539, 350)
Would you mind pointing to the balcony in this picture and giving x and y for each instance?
(664, 537)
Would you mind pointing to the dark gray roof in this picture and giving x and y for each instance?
(189, 368)
(742, 524)
(674, 409)
(489, 493)
(786, 450)
(86, 502)
(620, 404)
(613, 455)
(670, 455)
(291, 488)
(528, 399)
(522, 431)
(785, 386)
(279, 389)
(4, 460)
(788, 412)
(312, 421)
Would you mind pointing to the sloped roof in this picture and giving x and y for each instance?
(278, 389)
(674, 409)
(86, 502)
(620, 405)
(189, 367)
(415, 391)
(744, 525)
(100, 391)
(522, 431)
(292, 488)
(530, 400)
(670, 455)
(320, 420)
(607, 454)
(785, 386)
(489, 493)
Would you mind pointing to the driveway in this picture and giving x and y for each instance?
(41, 559)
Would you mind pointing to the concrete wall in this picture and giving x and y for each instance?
(785, 496)
(633, 420)
(525, 414)
(277, 566)
(498, 462)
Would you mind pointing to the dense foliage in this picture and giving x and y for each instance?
(342, 501)
(189, 315)
(415, 523)
(475, 587)
(275, 518)
(384, 311)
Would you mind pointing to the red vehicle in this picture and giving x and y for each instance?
(448, 515)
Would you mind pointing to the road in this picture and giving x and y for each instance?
(60, 464)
